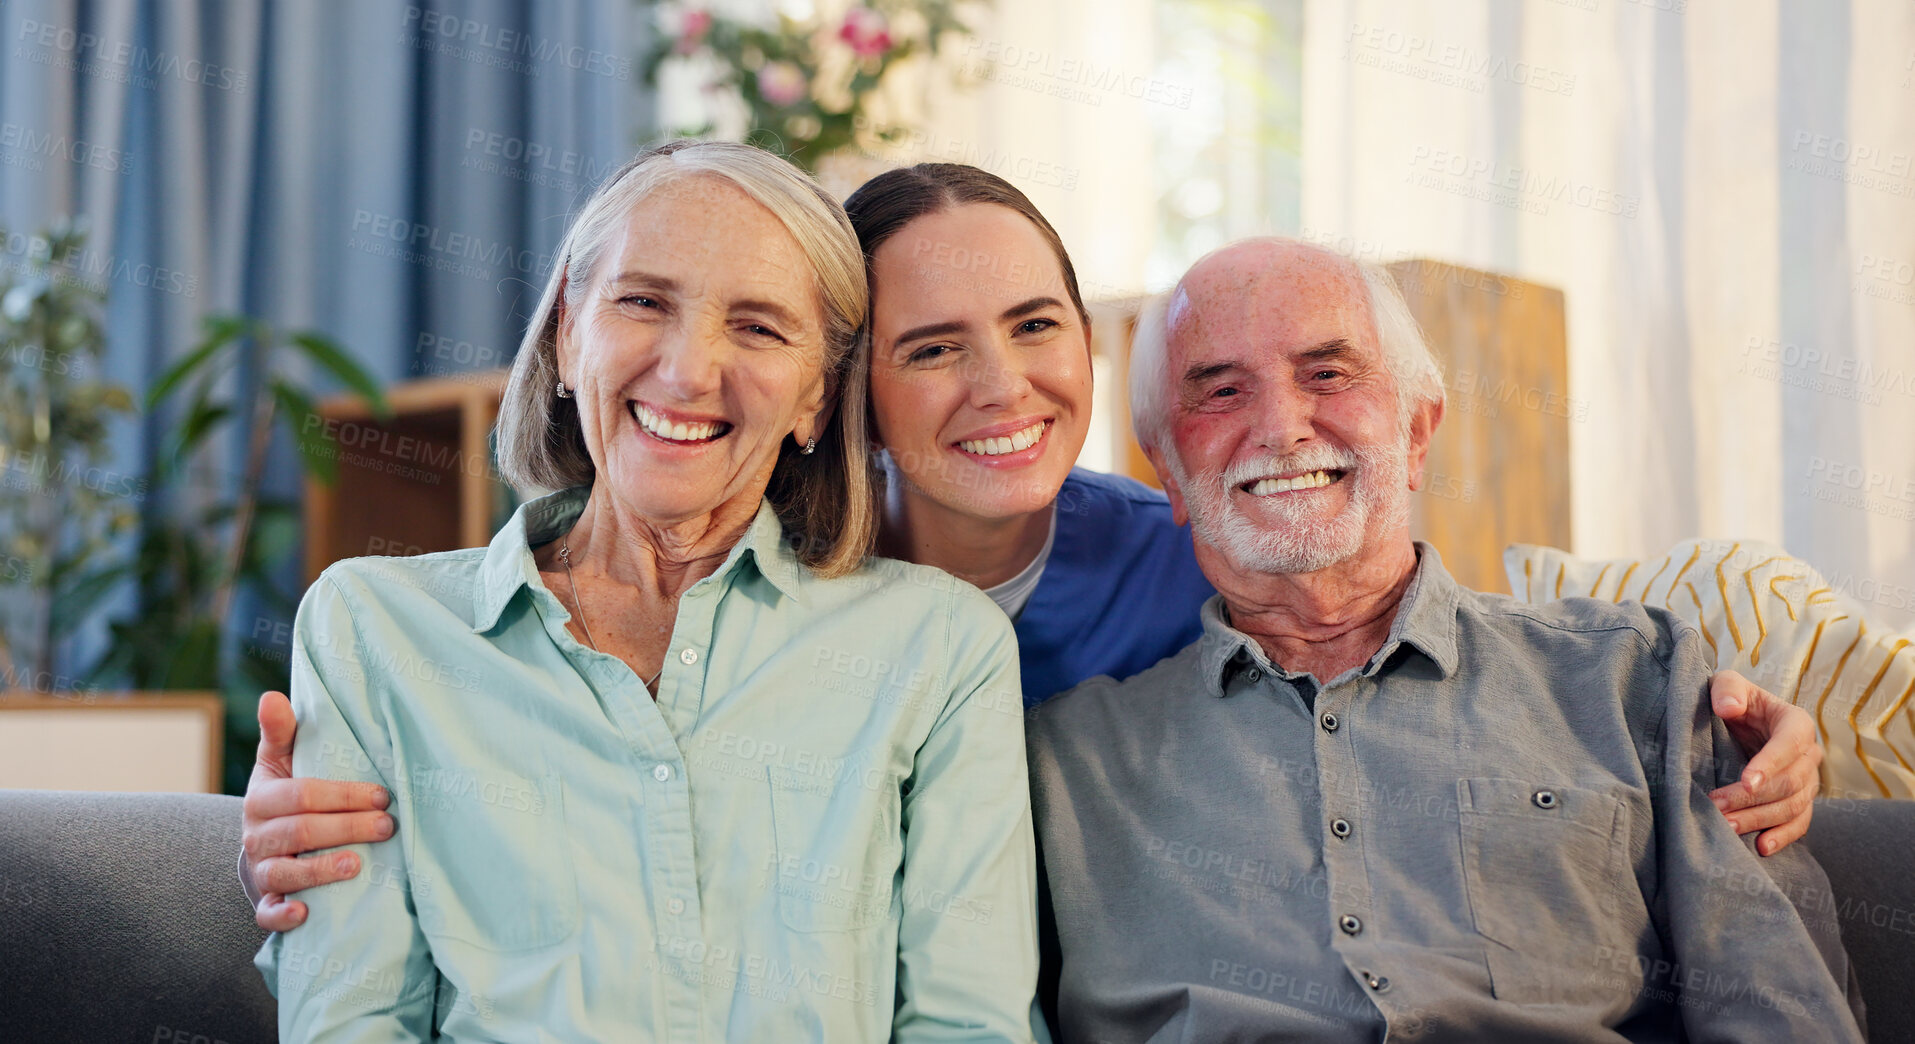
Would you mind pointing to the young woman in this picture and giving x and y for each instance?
(979, 363)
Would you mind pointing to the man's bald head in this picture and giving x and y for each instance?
(1254, 289)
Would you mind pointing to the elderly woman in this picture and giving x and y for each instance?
(673, 759)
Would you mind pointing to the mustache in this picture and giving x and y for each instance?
(1320, 457)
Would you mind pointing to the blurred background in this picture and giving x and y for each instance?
(261, 264)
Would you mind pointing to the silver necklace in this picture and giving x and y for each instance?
(565, 556)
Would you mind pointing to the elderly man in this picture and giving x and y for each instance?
(1369, 803)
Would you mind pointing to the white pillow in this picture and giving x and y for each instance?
(1772, 617)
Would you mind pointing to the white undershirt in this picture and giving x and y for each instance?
(1012, 594)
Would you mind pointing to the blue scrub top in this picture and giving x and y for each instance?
(1120, 592)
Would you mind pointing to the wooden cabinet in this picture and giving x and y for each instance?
(422, 480)
(1498, 469)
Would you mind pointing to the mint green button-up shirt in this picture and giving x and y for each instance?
(819, 831)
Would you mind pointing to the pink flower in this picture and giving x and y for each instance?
(692, 31)
(865, 30)
(782, 83)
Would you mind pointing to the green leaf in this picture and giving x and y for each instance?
(198, 424)
(75, 600)
(221, 330)
(194, 662)
(340, 365)
(314, 447)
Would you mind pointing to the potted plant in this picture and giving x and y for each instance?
(61, 504)
(208, 533)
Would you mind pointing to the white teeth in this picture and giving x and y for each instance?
(1268, 486)
(1018, 440)
(681, 431)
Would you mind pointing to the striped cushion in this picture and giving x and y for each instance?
(1775, 619)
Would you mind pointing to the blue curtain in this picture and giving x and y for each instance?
(394, 174)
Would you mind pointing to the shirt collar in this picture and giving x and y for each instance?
(509, 565)
(1425, 621)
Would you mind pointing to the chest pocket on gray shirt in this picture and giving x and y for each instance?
(490, 864)
(1550, 888)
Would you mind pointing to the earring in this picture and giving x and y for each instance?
(563, 393)
(810, 444)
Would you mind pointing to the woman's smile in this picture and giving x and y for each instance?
(676, 429)
(1014, 444)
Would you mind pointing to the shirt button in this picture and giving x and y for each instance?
(1340, 827)
(676, 906)
(1329, 722)
(1544, 799)
(662, 773)
(1253, 674)
(688, 657)
(1350, 924)
(1379, 983)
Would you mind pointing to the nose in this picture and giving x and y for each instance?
(997, 378)
(691, 361)
(1286, 418)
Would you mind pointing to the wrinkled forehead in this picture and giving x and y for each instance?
(1277, 299)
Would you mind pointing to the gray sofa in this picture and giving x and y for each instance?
(121, 918)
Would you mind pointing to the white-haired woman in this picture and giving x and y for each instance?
(673, 758)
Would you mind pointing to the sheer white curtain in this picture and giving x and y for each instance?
(1725, 191)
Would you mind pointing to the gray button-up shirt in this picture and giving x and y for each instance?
(1496, 829)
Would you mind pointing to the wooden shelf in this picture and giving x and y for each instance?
(421, 480)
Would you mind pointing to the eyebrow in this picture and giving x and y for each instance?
(1204, 372)
(1330, 350)
(951, 326)
(1035, 304)
(1333, 349)
(919, 333)
(646, 278)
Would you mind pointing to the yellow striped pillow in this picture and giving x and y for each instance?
(1772, 617)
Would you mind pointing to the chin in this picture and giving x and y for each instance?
(997, 494)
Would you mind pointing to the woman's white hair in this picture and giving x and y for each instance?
(824, 498)
(1419, 377)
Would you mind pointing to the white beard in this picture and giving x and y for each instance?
(1379, 500)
